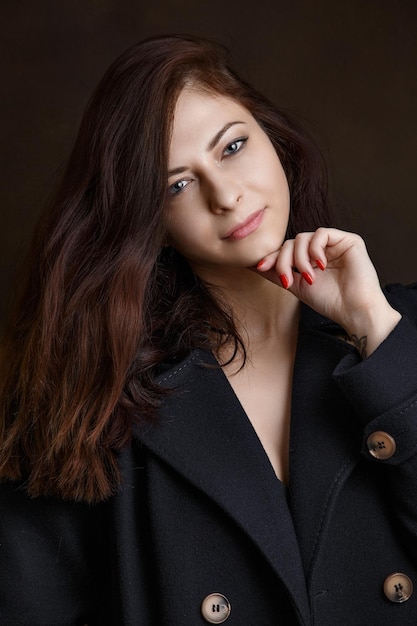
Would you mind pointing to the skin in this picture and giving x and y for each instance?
(228, 207)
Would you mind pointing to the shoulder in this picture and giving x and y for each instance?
(57, 546)
(44, 520)
(178, 372)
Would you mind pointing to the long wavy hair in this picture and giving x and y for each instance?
(103, 303)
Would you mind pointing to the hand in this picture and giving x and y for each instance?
(330, 270)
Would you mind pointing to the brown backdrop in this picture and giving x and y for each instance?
(347, 69)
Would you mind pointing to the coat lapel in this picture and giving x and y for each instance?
(204, 435)
(325, 439)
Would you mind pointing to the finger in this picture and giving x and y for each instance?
(302, 256)
(291, 266)
(284, 265)
(268, 268)
(329, 244)
(268, 262)
(318, 247)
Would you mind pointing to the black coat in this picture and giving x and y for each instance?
(201, 511)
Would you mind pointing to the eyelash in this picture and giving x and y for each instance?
(173, 190)
(241, 140)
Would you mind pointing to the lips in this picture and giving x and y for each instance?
(240, 231)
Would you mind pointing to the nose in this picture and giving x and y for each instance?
(224, 193)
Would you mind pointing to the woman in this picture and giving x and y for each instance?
(185, 297)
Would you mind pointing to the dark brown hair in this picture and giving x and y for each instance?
(103, 303)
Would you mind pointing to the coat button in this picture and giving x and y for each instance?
(398, 587)
(381, 445)
(215, 608)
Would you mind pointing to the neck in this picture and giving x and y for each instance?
(262, 310)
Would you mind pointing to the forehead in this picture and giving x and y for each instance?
(199, 115)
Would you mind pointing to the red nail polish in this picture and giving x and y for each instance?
(307, 278)
(260, 264)
(320, 265)
(284, 281)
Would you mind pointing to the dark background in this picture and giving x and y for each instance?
(346, 69)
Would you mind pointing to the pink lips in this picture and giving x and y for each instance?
(247, 227)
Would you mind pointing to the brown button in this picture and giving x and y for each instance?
(215, 608)
(398, 587)
(381, 445)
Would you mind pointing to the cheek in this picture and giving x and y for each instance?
(268, 173)
(278, 171)
(281, 183)
(183, 232)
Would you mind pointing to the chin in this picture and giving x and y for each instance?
(263, 250)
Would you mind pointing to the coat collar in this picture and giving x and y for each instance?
(325, 440)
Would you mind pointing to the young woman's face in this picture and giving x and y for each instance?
(228, 198)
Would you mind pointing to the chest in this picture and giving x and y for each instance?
(263, 388)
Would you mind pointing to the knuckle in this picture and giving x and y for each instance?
(357, 239)
(287, 244)
(302, 236)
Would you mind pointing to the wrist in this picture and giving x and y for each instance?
(369, 329)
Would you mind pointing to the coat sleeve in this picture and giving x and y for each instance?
(49, 573)
(383, 392)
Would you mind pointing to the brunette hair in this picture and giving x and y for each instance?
(104, 303)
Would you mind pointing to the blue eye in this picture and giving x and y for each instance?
(235, 146)
(177, 187)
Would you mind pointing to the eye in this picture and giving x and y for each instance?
(235, 146)
(177, 187)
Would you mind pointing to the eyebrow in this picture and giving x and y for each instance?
(211, 145)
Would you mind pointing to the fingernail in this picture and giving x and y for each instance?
(261, 264)
(320, 265)
(307, 277)
(284, 281)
